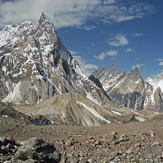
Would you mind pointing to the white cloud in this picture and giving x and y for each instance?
(160, 60)
(92, 44)
(118, 40)
(102, 55)
(139, 65)
(161, 63)
(130, 50)
(108, 2)
(86, 68)
(89, 28)
(112, 53)
(72, 52)
(138, 34)
(65, 13)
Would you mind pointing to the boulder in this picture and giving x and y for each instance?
(40, 120)
(38, 149)
(123, 138)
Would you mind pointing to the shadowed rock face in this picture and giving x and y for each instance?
(35, 65)
(7, 111)
(38, 150)
(129, 90)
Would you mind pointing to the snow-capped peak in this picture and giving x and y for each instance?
(156, 82)
(35, 57)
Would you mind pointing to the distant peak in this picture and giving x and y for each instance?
(99, 72)
(43, 18)
(134, 74)
(102, 68)
(112, 66)
(135, 69)
(43, 14)
(112, 69)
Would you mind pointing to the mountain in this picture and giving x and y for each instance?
(74, 109)
(156, 81)
(130, 90)
(37, 69)
(35, 65)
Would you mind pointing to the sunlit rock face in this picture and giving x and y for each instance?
(35, 65)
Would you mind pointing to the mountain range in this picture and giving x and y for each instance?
(40, 76)
(130, 89)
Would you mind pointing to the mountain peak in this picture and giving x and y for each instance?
(135, 72)
(41, 67)
(99, 73)
(112, 69)
(43, 14)
(135, 75)
(43, 17)
(101, 68)
(135, 69)
(46, 31)
(44, 21)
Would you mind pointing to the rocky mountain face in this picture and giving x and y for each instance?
(129, 90)
(35, 65)
(156, 81)
(7, 111)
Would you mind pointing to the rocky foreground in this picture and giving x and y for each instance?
(132, 142)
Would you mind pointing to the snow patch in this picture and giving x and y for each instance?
(89, 96)
(15, 95)
(4, 69)
(117, 113)
(128, 102)
(93, 111)
(157, 82)
(140, 119)
(48, 48)
(4, 116)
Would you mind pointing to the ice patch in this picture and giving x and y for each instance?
(89, 96)
(93, 111)
(157, 82)
(117, 121)
(48, 48)
(140, 119)
(5, 116)
(115, 112)
(15, 95)
(17, 74)
(128, 102)
(4, 69)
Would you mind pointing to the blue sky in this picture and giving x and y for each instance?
(98, 33)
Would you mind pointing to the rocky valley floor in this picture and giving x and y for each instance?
(131, 142)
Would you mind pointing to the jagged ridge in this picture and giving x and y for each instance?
(129, 90)
(35, 65)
